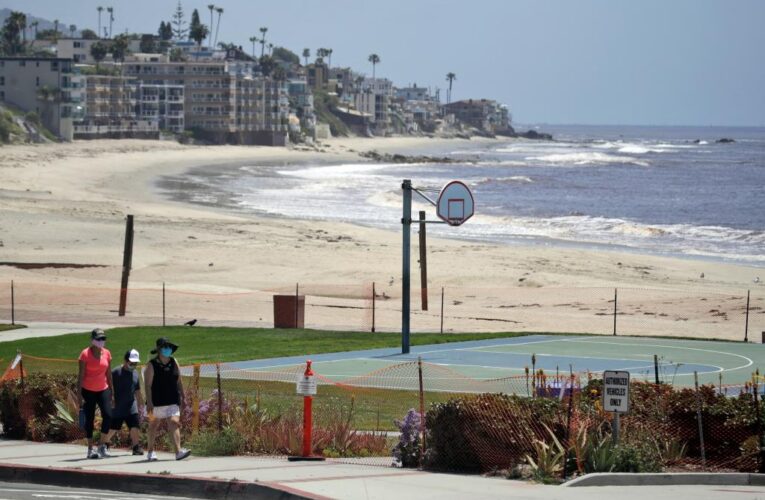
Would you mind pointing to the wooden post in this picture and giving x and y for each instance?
(297, 305)
(163, 304)
(195, 400)
(374, 297)
(127, 264)
(13, 305)
(746, 325)
(442, 309)
(423, 263)
(533, 375)
(698, 418)
(220, 399)
(656, 368)
(614, 311)
(422, 409)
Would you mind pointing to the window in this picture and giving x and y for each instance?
(54, 65)
(77, 45)
(22, 64)
(2, 95)
(2, 80)
(37, 81)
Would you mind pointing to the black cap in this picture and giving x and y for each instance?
(97, 334)
(164, 342)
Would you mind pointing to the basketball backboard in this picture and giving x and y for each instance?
(455, 203)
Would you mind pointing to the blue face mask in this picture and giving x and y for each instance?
(166, 351)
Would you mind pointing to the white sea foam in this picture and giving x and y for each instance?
(586, 158)
(514, 179)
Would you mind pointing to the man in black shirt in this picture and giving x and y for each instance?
(128, 398)
(164, 396)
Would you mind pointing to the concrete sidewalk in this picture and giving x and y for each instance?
(47, 329)
(256, 477)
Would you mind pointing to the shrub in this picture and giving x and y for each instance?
(213, 443)
(25, 410)
(408, 451)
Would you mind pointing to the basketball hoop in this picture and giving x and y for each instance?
(455, 203)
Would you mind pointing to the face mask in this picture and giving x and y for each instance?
(99, 343)
(166, 351)
(131, 367)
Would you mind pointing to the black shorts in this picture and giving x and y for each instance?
(132, 421)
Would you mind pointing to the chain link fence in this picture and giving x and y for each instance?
(691, 313)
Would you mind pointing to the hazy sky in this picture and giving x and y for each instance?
(663, 62)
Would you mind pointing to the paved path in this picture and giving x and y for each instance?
(336, 480)
(46, 329)
(26, 491)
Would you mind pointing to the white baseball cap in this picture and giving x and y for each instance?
(133, 356)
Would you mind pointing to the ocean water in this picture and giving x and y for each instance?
(660, 190)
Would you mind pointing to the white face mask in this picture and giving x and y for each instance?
(99, 343)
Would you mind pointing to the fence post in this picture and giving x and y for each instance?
(568, 422)
(13, 305)
(163, 303)
(698, 418)
(297, 305)
(615, 311)
(422, 410)
(442, 309)
(21, 367)
(195, 400)
(526, 369)
(656, 368)
(373, 306)
(746, 325)
(220, 398)
(423, 263)
(533, 375)
(127, 264)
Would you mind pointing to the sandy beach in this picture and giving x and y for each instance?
(66, 204)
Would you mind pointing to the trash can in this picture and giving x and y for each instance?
(289, 311)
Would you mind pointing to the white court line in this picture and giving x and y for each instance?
(488, 346)
(750, 362)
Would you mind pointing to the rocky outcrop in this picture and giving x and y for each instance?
(725, 140)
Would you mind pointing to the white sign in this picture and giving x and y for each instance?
(16, 361)
(306, 385)
(616, 391)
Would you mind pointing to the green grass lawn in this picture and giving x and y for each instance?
(211, 344)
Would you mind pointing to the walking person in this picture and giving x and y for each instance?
(127, 400)
(164, 396)
(95, 389)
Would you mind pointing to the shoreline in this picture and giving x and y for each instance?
(66, 203)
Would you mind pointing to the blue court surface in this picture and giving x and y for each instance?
(490, 360)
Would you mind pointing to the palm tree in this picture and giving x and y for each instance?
(14, 31)
(270, 49)
(34, 25)
(263, 32)
(72, 29)
(329, 55)
(212, 8)
(100, 10)
(450, 77)
(375, 60)
(219, 10)
(306, 55)
(254, 40)
(55, 29)
(110, 10)
(198, 33)
(321, 53)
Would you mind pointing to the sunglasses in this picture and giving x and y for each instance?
(133, 364)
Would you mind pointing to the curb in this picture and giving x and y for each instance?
(154, 484)
(668, 479)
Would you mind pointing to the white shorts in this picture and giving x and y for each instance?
(166, 411)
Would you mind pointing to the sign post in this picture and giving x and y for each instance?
(306, 386)
(455, 205)
(616, 396)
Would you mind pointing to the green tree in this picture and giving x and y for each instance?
(178, 23)
(306, 55)
(120, 48)
(100, 10)
(176, 55)
(13, 28)
(88, 34)
(195, 22)
(219, 10)
(263, 31)
(72, 29)
(98, 51)
(286, 55)
(329, 57)
(450, 77)
(47, 35)
(375, 60)
(211, 8)
(321, 53)
(267, 65)
(279, 74)
(148, 44)
(198, 33)
(35, 24)
(110, 10)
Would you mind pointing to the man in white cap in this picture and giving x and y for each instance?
(127, 398)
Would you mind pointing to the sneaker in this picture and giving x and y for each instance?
(182, 453)
(137, 450)
(103, 451)
(152, 456)
(93, 453)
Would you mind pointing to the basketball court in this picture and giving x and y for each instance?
(499, 359)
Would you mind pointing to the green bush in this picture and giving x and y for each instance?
(213, 443)
(26, 409)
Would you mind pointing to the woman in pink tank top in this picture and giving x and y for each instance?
(95, 383)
